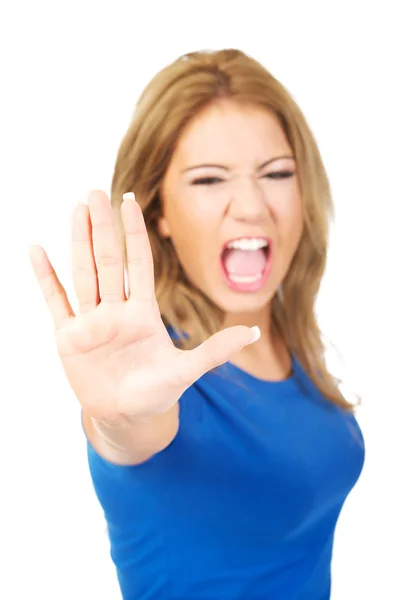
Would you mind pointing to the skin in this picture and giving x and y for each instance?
(239, 198)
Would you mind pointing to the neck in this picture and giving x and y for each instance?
(268, 358)
(262, 319)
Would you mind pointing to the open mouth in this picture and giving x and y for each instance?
(246, 263)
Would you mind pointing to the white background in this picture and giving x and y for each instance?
(71, 73)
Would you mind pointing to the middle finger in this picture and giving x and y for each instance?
(107, 248)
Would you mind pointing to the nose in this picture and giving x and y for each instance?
(248, 202)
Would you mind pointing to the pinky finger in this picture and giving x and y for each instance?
(52, 289)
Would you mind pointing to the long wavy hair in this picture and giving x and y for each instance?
(172, 98)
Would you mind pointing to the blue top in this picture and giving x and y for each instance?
(243, 503)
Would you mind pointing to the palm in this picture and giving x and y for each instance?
(123, 348)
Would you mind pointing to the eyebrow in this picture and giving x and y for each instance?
(264, 164)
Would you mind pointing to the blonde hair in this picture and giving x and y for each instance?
(171, 99)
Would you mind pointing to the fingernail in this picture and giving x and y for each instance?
(32, 245)
(255, 334)
(128, 196)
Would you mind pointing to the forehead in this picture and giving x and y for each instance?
(231, 133)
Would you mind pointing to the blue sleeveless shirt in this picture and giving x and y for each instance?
(243, 503)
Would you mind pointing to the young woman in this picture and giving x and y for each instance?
(220, 447)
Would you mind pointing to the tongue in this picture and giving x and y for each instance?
(245, 262)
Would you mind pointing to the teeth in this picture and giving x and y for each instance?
(244, 279)
(248, 244)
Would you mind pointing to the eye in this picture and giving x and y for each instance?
(206, 181)
(280, 175)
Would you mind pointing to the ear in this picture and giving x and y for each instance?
(163, 227)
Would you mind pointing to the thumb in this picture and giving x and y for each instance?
(215, 351)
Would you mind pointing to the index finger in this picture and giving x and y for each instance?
(140, 264)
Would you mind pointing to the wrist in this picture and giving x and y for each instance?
(101, 429)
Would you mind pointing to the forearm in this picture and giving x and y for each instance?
(134, 443)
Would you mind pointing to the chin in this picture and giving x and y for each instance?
(235, 302)
(231, 301)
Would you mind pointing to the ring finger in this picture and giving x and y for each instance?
(84, 269)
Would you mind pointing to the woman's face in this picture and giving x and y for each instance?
(232, 179)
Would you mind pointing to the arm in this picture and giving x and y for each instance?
(134, 443)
